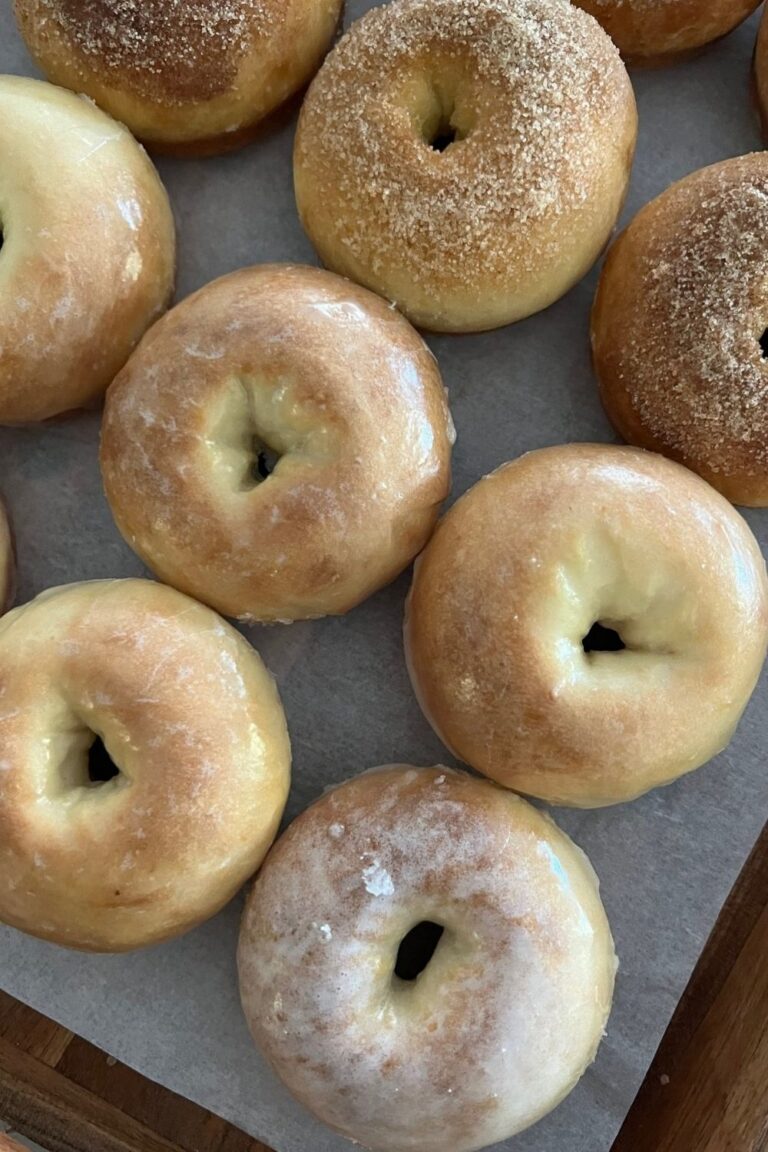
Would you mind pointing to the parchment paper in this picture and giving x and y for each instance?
(666, 862)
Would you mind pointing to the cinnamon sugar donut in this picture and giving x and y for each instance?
(466, 159)
(425, 961)
(679, 327)
(587, 623)
(87, 249)
(279, 446)
(144, 764)
(650, 33)
(186, 76)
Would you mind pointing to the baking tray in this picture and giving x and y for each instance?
(666, 862)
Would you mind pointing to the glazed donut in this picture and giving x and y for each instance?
(650, 33)
(679, 333)
(88, 249)
(188, 77)
(587, 623)
(279, 446)
(425, 961)
(144, 764)
(466, 159)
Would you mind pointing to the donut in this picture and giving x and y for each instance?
(144, 764)
(587, 623)
(651, 33)
(679, 334)
(425, 961)
(279, 445)
(192, 77)
(88, 249)
(466, 159)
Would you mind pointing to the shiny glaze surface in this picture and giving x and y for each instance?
(192, 720)
(88, 253)
(337, 386)
(509, 1010)
(511, 584)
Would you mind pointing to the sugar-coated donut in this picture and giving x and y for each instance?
(7, 563)
(679, 327)
(393, 1042)
(187, 76)
(651, 33)
(466, 159)
(88, 249)
(190, 721)
(587, 623)
(287, 364)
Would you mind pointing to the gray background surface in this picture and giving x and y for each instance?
(666, 862)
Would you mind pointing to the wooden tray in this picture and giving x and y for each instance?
(706, 1091)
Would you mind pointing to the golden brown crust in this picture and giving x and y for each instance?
(191, 718)
(324, 374)
(760, 73)
(165, 51)
(652, 33)
(88, 254)
(192, 76)
(510, 1009)
(514, 579)
(509, 216)
(677, 323)
(222, 143)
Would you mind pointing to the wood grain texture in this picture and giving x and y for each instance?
(8, 1144)
(70, 1097)
(707, 1090)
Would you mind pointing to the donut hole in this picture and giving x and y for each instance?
(763, 341)
(444, 136)
(416, 949)
(264, 460)
(602, 638)
(85, 765)
(440, 121)
(248, 432)
(101, 766)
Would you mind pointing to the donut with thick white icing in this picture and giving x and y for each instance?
(419, 1041)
